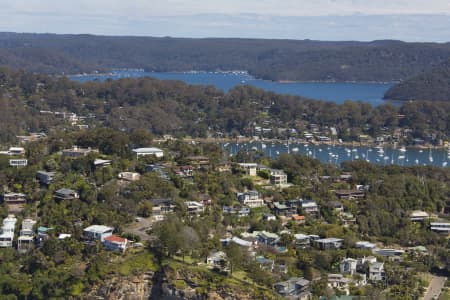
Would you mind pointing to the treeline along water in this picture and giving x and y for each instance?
(329, 91)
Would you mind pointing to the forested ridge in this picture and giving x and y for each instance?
(173, 107)
(303, 60)
(433, 85)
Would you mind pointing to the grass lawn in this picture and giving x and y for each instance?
(135, 264)
(445, 296)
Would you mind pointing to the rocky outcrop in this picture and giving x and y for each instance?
(123, 288)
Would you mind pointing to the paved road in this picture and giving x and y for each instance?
(139, 228)
(435, 287)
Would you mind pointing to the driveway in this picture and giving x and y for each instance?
(139, 228)
(435, 287)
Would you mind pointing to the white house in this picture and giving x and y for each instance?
(278, 177)
(250, 198)
(376, 271)
(115, 243)
(348, 266)
(97, 232)
(129, 176)
(440, 227)
(217, 260)
(309, 206)
(194, 207)
(7, 231)
(149, 151)
(18, 162)
(250, 168)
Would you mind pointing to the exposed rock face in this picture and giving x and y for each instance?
(123, 288)
(169, 284)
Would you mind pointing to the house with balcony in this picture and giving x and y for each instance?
(278, 177)
(328, 243)
(194, 207)
(249, 168)
(348, 266)
(250, 199)
(76, 152)
(15, 202)
(45, 177)
(7, 231)
(293, 288)
(129, 176)
(376, 271)
(115, 243)
(148, 151)
(163, 206)
(309, 206)
(97, 232)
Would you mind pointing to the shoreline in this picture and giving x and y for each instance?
(316, 143)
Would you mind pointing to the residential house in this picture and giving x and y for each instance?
(309, 206)
(18, 162)
(298, 219)
(194, 207)
(163, 206)
(98, 163)
(267, 238)
(337, 206)
(376, 271)
(269, 217)
(339, 282)
(205, 199)
(265, 263)
(440, 227)
(16, 151)
(249, 168)
(15, 202)
(76, 152)
(278, 178)
(294, 288)
(198, 161)
(250, 198)
(43, 234)
(25, 242)
(224, 166)
(328, 243)
(66, 194)
(45, 177)
(348, 266)
(281, 209)
(365, 245)
(350, 194)
(184, 171)
(418, 216)
(115, 243)
(97, 232)
(302, 240)
(218, 261)
(239, 211)
(7, 231)
(148, 151)
(129, 176)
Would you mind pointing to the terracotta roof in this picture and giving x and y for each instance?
(115, 239)
(298, 218)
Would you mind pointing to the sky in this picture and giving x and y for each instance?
(408, 20)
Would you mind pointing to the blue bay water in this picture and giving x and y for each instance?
(338, 153)
(329, 91)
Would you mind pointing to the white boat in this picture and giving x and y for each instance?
(295, 149)
(402, 149)
(401, 157)
(263, 146)
(444, 164)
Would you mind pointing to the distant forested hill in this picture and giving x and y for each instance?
(433, 85)
(268, 59)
